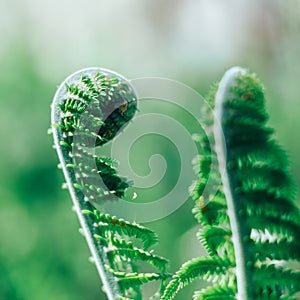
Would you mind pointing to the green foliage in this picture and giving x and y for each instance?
(89, 111)
(114, 226)
(250, 224)
(249, 220)
(130, 280)
(215, 293)
(212, 269)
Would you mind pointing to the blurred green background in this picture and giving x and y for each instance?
(42, 256)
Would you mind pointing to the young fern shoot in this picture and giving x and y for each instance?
(88, 110)
(250, 223)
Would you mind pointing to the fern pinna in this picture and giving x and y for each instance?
(250, 224)
(88, 110)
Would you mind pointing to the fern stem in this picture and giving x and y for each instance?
(98, 252)
(235, 206)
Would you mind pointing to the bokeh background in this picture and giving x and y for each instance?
(42, 256)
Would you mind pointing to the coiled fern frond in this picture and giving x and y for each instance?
(250, 223)
(89, 109)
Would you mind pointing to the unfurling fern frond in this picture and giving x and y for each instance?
(250, 217)
(244, 196)
(89, 109)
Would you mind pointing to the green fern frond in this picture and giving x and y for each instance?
(254, 165)
(137, 254)
(215, 292)
(120, 243)
(272, 206)
(128, 281)
(212, 212)
(273, 280)
(249, 215)
(115, 225)
(276, 250)
(244, 196)
(102, 182)
(212, 269)
(214, 238)
(88, 110)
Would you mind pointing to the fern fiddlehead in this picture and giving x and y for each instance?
(88, 110)
(250, 224)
